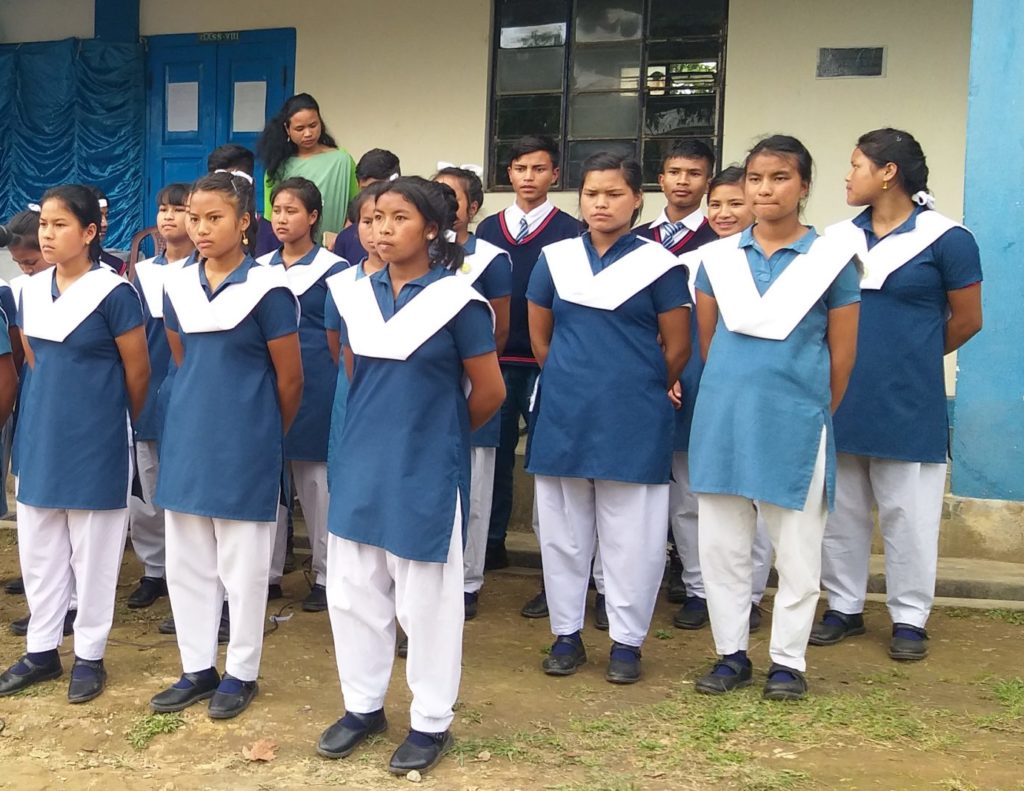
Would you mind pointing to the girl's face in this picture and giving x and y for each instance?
(466, 210)
(29, 259)
(607, 202)
(104, 224)
(62, 237)
(215, 225)
(400, 232)
(774, 187)
(304, 129)
(863, 181)
(291, 220)
(172, 222)
(365, 227)
(728, 210)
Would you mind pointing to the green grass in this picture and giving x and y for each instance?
(1014, 617)
(147, 728)
(663, 634)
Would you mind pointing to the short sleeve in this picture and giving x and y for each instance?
(170, 317)
(703, 282)
(473, 329)
(122, 308)
(10, 307)
(332, 318)
(671, 290)
(845, 289)
(958, 259)
(496, 280)
(541, 288)
(276, 314)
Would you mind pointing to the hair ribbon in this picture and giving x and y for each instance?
(240, 173)
(35, 207)
(103, 203)
(922, 198)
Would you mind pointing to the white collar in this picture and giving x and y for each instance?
(514, 215)
(692, 221)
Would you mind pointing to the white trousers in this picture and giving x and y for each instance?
(146, 518)
(629, 520)
(481, 491)
(278, 546)
(909, 499)
(367, 589)
(310, 479)
(728, 524)
(64, 552)
(205, 558)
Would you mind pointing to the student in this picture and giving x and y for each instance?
(411, 333)
(922, 300)
(111, 260)
(609, 323)
(232, 328)
(778, 352)
(231, 158)
(296, 214)
(489, 269)
(729, 212)
(146, 518)
(375, 165)
(82, 326)
(295, 142)
(522, 230)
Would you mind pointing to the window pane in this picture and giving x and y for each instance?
(614, 67)
(678, 18)
(530, 70)
(682, 68)
(680, 115)
(603, 115)
(654, 154)
(499, 163)
(532, 23)
(580, 151)
(529, 115)
(608, 20)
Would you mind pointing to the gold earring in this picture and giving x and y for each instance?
(885, 185)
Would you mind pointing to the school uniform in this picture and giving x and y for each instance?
(165, 387)
(347, 244)
(305, 445)
(220, 467)
(113, 262)
(402, 474)
(488, 269)
(762, 429)
(336, 284)
(891, 429)
(601, 446)
(74, 469)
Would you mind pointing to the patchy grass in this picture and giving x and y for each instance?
(150, 726)
(1015, 617)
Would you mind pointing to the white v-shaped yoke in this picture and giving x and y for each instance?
(787, 300)
(302, 278)
(476, 264)
(895, 249)
(576, 282)
(54, 319)
(197, 313)
(151, 278)
(369, 335)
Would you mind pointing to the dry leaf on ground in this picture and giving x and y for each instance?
(260, 750)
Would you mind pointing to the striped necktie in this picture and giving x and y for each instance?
(669, 231)
(524, 230)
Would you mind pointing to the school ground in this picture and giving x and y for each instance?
(951, 723)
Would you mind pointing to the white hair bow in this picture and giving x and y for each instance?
(103, 203)
(479, 171)
(35, 207)
(450, 236)
(240, 173)
(922, 198)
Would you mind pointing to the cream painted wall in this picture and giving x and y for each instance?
(45, 20)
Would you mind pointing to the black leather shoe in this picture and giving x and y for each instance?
(232, 697)
(836, 626)
(537, 607)
(190, 688)
(676, 589)
(496, 557)
(755, 618)
(24, 673)
(69, 622)
(600, 613)
(412, 755)
(341, 739)
(469, 601)
(907, 648)
(692, 615)
(149, 590)
(20, 626)
(224, 630)
(274, 591)
(88, 678)
(784, 689)
(718, 684)
(624, 664)
(402, 650)
(562, 661)
(167, 626)
(316, 601)
(15, 587)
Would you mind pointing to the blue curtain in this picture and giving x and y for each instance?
(73, 111)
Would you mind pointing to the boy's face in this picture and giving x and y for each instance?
(684, 182)
(532, 175)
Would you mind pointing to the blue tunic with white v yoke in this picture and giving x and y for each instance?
(404, 451)
(72, 433)
(147, 425)
(332, 321)
(895, 406)
(222, 450)
(763, 403)
(602, 409)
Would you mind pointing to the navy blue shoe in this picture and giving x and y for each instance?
(470, 601)
(342, 738)
(420, 751)
(88, 678)
(190, 688)
(24, 673)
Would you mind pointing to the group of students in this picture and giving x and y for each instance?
(803, 387)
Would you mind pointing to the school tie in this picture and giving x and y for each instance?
(669, 231)
(524, 230)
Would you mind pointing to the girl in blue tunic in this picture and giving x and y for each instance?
(922, 299)
(232, 326)
(777, 309)
(82, 326)
(489, 269)
(601, 444)
(412, 334)
(297, 207)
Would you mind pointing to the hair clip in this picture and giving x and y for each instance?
(450, 235)
(103, 203)
(392, 177)
(922, 198)
(240, 173)
(475, 169)
(35, 207)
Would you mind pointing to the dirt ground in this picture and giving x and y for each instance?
(954, 722)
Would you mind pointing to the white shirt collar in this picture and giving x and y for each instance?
(692, 220)
(534, 217)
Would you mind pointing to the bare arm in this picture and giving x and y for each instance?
(135, 358)
(541, 325)
(18, 353)
(8, 386)
(350, 362)
(500, 306)
(674, 327)
(965, 316)
(30, 357)
(488, 387)
(287, 359)
(707, 320)
(334, 345)
(842, 348)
